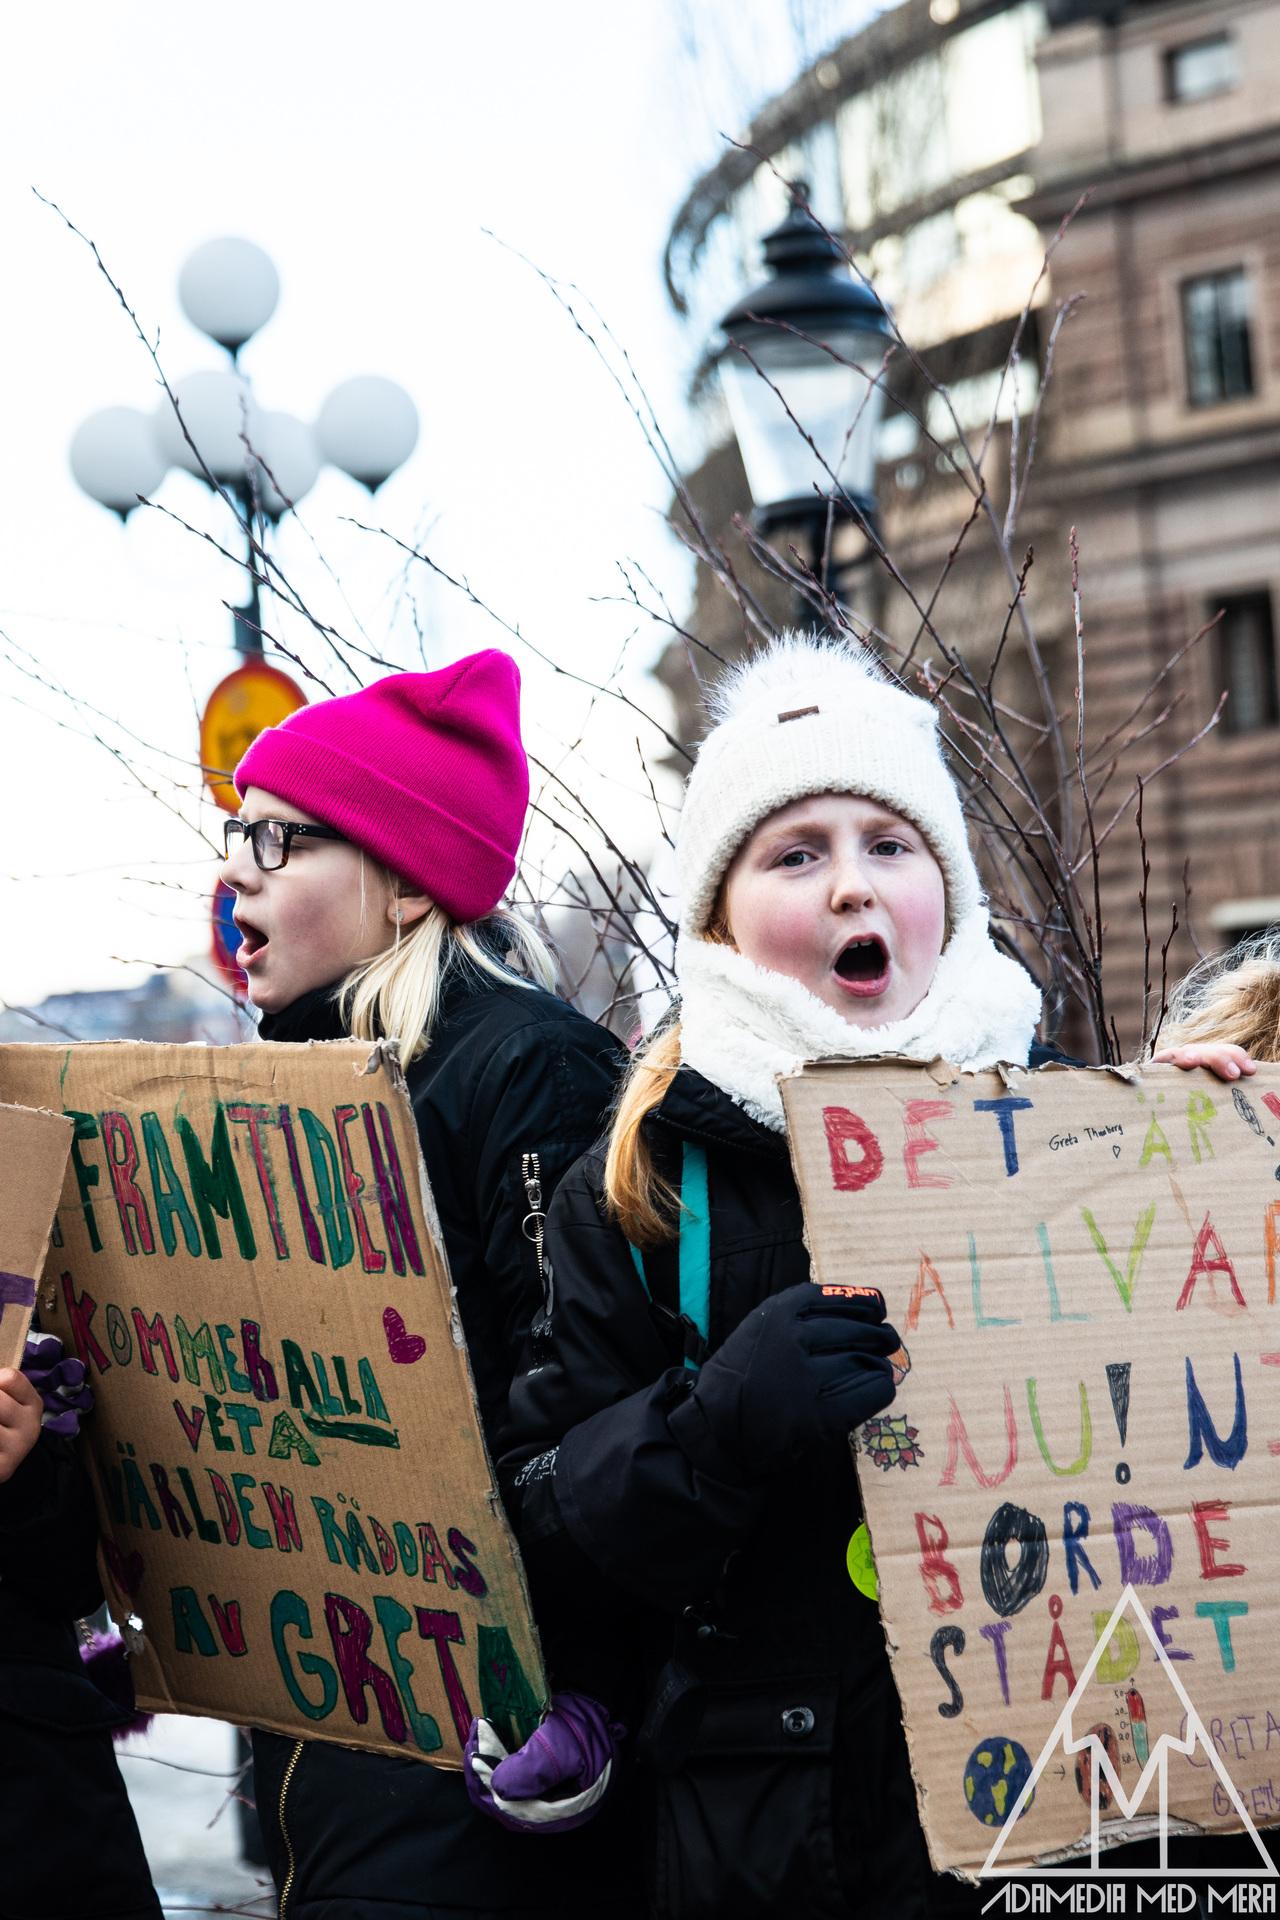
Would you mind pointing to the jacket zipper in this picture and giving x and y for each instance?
(532, 1227)
(294, 1758)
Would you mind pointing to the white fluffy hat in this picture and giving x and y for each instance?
(813, 715)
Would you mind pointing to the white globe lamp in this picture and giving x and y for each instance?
(219, 414)
(115, 457)
(229, 288)
(368, 426)
(287, 463)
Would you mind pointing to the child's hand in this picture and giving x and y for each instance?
(805, 1368)
(1219, 1056)
(21, 1410)
(61, 1383)
(557, 1779)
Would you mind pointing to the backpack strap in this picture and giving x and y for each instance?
(685, 1306)
(695, 1244)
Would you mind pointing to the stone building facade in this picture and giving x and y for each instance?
(950, 141)
(1164, 432)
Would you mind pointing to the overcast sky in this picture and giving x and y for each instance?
(368, 154)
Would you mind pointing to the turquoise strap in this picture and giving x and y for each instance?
(695, 1244)
(695, 1240)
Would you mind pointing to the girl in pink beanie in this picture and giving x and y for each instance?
(406, 802)
(377, 836)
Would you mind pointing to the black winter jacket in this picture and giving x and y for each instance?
(510, 1070)
(58, 1771)
(776, 1761)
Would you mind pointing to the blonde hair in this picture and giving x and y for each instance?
(646, 1206)
(1231, 996)
(396, 994)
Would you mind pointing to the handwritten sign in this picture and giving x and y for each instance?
(33, 1155)
(299, 1517)
(1084, 1273)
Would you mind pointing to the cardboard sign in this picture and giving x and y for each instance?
(33, 1158)
(1083, 1271)
(299, 1516)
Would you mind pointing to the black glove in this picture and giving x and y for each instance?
(804, 1367)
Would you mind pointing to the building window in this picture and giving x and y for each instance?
(1216, 311)
(1237, 920)
(1247, 662)
(1201, 68)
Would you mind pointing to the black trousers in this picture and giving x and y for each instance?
(69, 1844)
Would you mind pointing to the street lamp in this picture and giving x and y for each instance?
(806, 347)
(266, 461)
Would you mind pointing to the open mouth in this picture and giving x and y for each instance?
(862, 967)
(253, 944)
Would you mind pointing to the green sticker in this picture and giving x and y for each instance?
(861, 1563)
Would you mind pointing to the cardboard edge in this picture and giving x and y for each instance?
(947, 1076)
(384, 1057)
(921, 1792)
(60, 1124)
(46, 1113)
(439, 1762)
(945, 1073)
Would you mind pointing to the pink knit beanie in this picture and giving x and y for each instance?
(425, 771)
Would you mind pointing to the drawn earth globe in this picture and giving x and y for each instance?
(994, 1775)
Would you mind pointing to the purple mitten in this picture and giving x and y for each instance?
(107, 1665)
(557, 1779)
(60, 1382)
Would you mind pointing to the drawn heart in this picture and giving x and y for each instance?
(126, 1569)
(403, 1346)
(1115, 1153)
(500, 1671)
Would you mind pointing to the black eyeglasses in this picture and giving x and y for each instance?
(271, 839)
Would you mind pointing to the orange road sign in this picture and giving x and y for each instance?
(240, 707)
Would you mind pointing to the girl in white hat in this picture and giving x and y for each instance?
(681, 1426)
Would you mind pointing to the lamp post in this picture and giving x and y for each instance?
(802, 355)
(265, 461)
